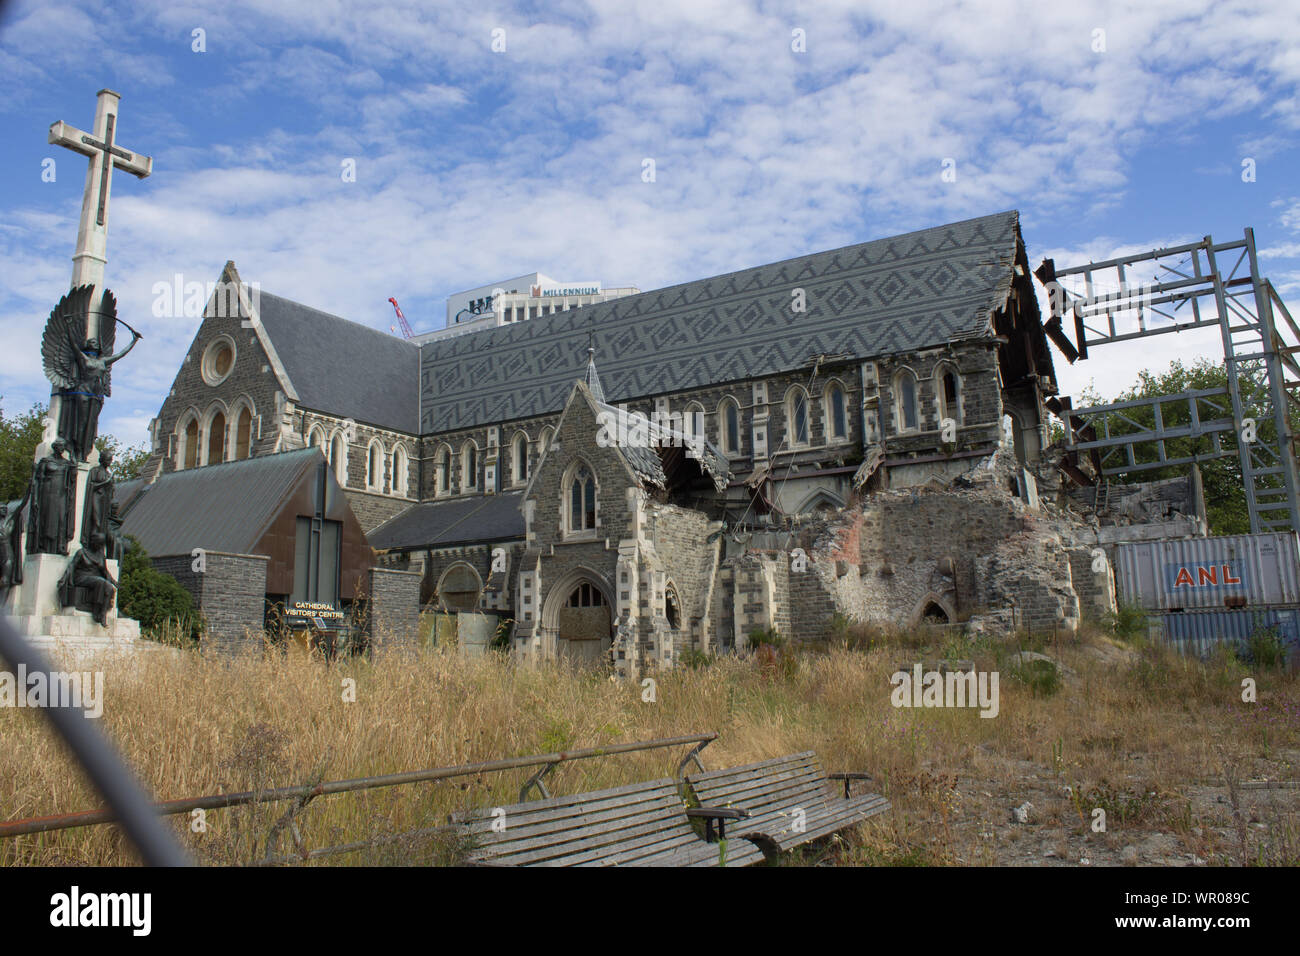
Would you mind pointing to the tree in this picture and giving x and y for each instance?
(20, 435)
(128, 463)
(153, 598)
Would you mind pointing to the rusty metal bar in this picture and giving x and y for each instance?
(424, 833)
(537, 781)
(217, 801)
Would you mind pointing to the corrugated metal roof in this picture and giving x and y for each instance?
(222, 507)
(890, 295)
(345, 368)
(441, 524)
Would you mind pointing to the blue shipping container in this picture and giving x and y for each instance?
(1248, 570)
(1198, 632)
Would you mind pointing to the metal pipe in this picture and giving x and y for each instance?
(106, 769)
(85, 818)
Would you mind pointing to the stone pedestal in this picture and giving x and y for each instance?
(34, 610)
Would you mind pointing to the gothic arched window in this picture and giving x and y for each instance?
(796, 410)
(519, 458)
(444, 471)
(948, 394)
(375, 466)
(469, 466)
(399, 471)
(729, 426)
(244, 433)
(905, 401)
(837, 415)
(582, 500)
(216, 442)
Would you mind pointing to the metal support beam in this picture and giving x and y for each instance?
(1198, 285)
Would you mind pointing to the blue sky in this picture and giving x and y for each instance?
(474, 165)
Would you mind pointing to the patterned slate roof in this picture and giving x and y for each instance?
(224, 507)
(890, 295)
(459, 521)
(345, 368)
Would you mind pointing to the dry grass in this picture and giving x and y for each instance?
(1146, 736)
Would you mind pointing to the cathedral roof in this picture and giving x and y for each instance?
(342, 367)
(451, 523)
(224, 507)
(907, 292)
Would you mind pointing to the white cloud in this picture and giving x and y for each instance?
(474, 165)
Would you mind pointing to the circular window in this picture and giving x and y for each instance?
(218, 360)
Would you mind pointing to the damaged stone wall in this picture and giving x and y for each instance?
(970, 551)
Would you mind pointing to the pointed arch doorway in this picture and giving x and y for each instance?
(578, 616)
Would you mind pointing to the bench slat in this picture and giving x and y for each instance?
(612, 796)
(535, 824)
(725, 772)
(595, 846)
(770, 788)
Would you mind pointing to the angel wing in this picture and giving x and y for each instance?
(107, 325)
(107, 334)
(66, 325)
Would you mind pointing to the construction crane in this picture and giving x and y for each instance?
(407, 332)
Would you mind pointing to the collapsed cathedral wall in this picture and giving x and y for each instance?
(1030, 576)
(975, 553)
(679, 546)
(1093, 577)
(923, 544)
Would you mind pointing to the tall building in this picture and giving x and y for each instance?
(517, 300)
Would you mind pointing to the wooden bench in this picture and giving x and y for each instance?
(644, 824)
(773, 791)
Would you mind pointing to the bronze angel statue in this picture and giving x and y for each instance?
(76, 366)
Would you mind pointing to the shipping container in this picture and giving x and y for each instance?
(1245, 570)
(1196, 633)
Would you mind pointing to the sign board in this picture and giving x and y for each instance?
(313, 613)
(584, 288)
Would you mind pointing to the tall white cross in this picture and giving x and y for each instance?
(92, 235)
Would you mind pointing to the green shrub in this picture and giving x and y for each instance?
(164, 609)
(1043, 678)
(1128, 622)
(1265, 649)
(695, 658)
(765, 635)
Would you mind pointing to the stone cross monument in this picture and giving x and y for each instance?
(57, 579)
(105, 154)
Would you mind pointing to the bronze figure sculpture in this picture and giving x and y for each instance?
(73, 364)
(51, 494)
(99, 499)
(86, 584)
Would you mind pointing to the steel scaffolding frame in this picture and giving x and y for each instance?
(1190, 289)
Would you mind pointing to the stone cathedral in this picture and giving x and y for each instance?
(857, 434)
